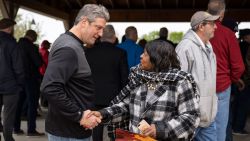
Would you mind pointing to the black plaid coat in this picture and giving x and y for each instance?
(173, 107)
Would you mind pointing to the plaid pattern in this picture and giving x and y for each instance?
(173, 107)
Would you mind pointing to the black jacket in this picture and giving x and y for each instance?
(109, 68)
(68, 86)
(11, 68)
(31, 58)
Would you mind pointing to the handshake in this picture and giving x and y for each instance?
(90, 119)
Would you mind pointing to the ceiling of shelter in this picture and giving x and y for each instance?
(136, 10)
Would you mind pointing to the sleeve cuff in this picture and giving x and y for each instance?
(105, 115)
(79, 116)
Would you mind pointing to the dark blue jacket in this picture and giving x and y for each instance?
(11, 68)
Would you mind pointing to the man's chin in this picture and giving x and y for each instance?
(91, 43)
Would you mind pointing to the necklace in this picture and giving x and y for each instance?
(151, 85)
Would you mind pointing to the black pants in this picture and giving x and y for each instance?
(9, 102)
(98, 131)
(20, 110)
(32, 96)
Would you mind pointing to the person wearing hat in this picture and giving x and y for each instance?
(197, 57)
(230, 66)
(242, 98)
(11, 75)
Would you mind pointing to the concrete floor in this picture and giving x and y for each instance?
(40, 128)
(244, 138)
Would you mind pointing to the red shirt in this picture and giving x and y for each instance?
(230, 66)
(45, 55)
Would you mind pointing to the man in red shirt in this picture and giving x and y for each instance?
(230, 66)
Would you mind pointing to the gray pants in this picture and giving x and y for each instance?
(9, 102)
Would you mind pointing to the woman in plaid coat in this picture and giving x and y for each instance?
(160, 93)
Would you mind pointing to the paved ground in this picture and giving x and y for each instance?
(40, 128)
(244, 138)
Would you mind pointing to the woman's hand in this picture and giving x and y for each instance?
(151, 131)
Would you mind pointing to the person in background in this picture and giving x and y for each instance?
(230, 66)
(242, 98)
(109, 68)
(142, 43)
(43, 50)
(163, 35)
(11, 75)
(129, 45)
(67, 83)
(158, 93)
(232, 25)
(197, 57)
(32, 62)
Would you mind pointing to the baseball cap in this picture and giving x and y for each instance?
(6, 22)
(201, 16)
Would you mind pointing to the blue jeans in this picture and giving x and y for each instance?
(221, 118)
(206, 134)
(57, 138)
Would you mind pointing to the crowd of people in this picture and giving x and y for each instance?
(92, 85)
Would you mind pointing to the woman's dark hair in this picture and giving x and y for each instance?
(162, 55)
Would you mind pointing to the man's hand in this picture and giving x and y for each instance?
(89, 121)
(95, 113)
(240, 84)
(151, 131)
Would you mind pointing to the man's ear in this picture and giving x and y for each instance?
(84, 21)
(201, 27)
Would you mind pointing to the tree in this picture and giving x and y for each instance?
(176, 37)
(173, 36)
(150, 36)
(24, 24)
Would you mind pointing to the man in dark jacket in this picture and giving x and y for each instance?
(32, 62)
(163, 33)
(109, 67)
(67, 83)
(11, 75)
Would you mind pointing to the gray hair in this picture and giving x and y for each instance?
(92, 11)
(215, 7)
(108, 33)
